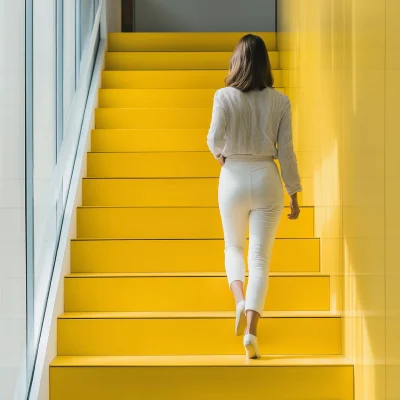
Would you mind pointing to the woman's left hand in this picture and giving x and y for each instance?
(222, 160)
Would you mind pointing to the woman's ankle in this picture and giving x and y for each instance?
(250, 331)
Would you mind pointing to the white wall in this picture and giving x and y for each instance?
(114, 15)
(12, 187)
(205, 15)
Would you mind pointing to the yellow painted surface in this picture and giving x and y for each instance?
(131, 61)
(288, 255)
(87, 334)
(171, 164)
(157, 98)
(144, 292)
(199, 360)
(153, 118)
(145, 140)
(183, 383)
(392, 191)
(171, 192)
(184, 79)
(175, 41)
(148, 265)
(172, 223)
(344, 67)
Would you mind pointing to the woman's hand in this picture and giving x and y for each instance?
(221, 160)
(294, 207)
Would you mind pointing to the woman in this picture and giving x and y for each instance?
(249, 119)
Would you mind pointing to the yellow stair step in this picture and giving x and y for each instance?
(145, 140)
(182, 41)
(148, 140)
(157, 98)
(184, 378)
(97, 334)
(170, 192)
(184, 164)
(188, 292)
(170, 79)
(156, 118)
(91, 256)
(170, 60)
(200, 361)
(173, 223)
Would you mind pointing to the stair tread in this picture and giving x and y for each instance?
(197, 360)
(168, 151)
(194, 315)
(172, 90)
(178, 41)
(188, 240)
(177, 51)
(184, 274)
(194, 70)
(90, 207)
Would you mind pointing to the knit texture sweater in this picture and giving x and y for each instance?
(256, 122)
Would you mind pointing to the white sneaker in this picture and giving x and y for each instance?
(240, 324)
(251, 346)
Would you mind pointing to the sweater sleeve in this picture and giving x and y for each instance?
(286, 155)
(216, 133)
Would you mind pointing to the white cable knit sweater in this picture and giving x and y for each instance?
(254, 123)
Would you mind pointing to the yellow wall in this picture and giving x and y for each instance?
(392, 195)
(343, 71)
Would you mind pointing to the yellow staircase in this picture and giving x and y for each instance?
(148, 313)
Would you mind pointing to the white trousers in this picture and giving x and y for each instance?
(250, 197)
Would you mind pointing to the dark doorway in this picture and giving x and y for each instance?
(127, 7)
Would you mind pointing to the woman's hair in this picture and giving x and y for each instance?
(250, 67)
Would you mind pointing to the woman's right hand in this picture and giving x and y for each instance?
(294, 207)
(221, 160)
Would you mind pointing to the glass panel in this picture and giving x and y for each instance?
(87, 20)
(38, 81)
(44, 147)
(69, 59)
(12, 199)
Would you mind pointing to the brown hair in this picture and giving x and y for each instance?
(250, 67)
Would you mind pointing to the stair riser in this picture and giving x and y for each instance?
(131, 61)
(172, 223)
(96, 337)
(91, 256)
(199, 383)
(149, 140)
(177, 41)
(189, 294)
(198, 79)
(153, 118)
(171, 165)
(155, 98)
(161, 192)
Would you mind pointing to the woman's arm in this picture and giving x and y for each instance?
(216, 133)
(286, 155)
